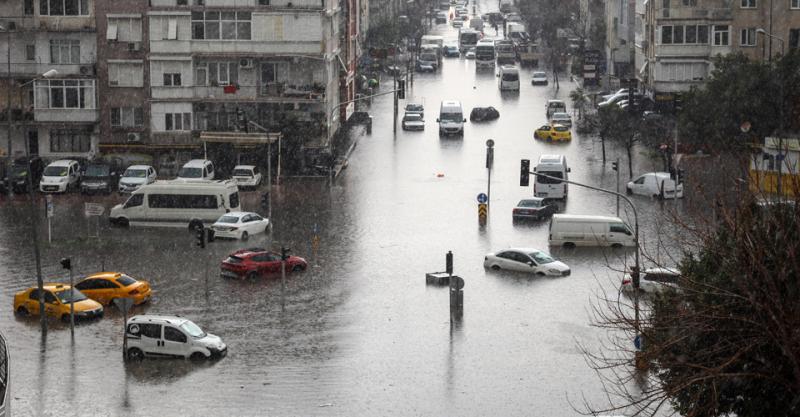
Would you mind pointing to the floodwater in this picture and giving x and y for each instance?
(358, 333)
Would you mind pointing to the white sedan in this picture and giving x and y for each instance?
(239, 225)
(528, 260)
(653, 280)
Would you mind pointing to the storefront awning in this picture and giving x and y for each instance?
(240, 138)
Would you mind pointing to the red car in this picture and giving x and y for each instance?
(258, 262)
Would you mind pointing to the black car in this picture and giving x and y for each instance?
(18, 175)
(482, 114)
(99, 177)
(534, 209)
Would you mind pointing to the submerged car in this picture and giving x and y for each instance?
(170, 336)
(57, 298)
(258, 262)
(553, 132)
(533, 209)
(653, 280)
(451, 51)
(105, 287)
(539, 78)
(561, 118)
(413, 121)
(655, 184)
(482, 114)
(247, 176)
(239, 225)
(528, 260)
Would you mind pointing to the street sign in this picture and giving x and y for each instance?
(123, 304)
(482, 212)
(483, 198)
(456, 283)
(49, 203)
(490, 143)
(93, 209)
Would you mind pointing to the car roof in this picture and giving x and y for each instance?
(197, 163)
(155, 318)
(106, 274)
(531, 199)
(63, 163)
(139, 167)
(662, 270)
(560, 113)
(244, 167)
(525, 250)
(535, 73)
(51, 286)
(587, 218)
(555, 101)
(238, 213)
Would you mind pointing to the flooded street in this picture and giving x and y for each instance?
(359, 332)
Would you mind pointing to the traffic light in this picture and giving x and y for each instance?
(284, 253)
(401, 89)
(66, 263)
(200, 234)
(524, 172)
(448, 262)
(614, 166)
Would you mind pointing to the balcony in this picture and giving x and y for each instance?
(66, 115)
(236, 47)
(694, 14)
(272, 92)
(33, 69)
(690, 51)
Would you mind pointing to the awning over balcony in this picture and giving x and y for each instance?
(240, 138)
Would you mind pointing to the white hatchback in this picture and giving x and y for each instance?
(247, 176)
(170, 336)
(239, 225)
(136, 176)
(527, 260)
(653, 280)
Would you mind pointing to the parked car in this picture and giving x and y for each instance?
(655, 184)
(197, 169)
(136, 176)
(457, 23)
(539, 78)
(257, 262)
(170, 336)
(57, 299)
(105, 287)
(18, 175)
(247, 176)
(451, 51)
(413, 121)
(99, 177)
(553, 132)
(621, 91)
(60, 176)
(441, 17)
(470, 54)
(528, 260)
(239, 225)
(561, 118)
(653, 280)
(533, 209)
(483, 114)
(616, 99)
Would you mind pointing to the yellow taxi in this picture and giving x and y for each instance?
(553, 132)
(57, 298)
(104, 287)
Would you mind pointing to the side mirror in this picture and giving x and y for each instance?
(531, 263)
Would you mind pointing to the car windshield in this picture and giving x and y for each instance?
(56, 171)
(65, 297)
(562, 116)
(511, 77)
(530, 203)
(19, 171)
(452, 117)
(228, 219)
(186, 172)
(135, 173)
(193, 330)
(539, 75)
(242, 173)
(125, 280)
(414, 107)
(427, 57)
(545, 180)
(541, 257)
(97, 171)
(561, 128)
(412, 117)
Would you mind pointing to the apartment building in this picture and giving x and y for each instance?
(55, 115)
(619, 48)
(676, 40)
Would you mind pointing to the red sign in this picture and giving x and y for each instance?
(229, 89)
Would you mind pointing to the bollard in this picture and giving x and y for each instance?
(456, 298)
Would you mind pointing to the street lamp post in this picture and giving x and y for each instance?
(780, 156)
(8, 104)
(771, 36)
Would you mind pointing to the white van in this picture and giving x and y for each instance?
(451, 118)
(60, 176)
(177, 204)
(570, 230)
(655, 184)
(197, 169)
(170, 337)
(509, 78)
(552, 166)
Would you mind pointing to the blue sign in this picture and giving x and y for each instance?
(483, 198)
(637, 342)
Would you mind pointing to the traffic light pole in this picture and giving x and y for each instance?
(616, 168)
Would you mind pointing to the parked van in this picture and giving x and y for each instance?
(570, 230)
(555, 106)
(509, 78)
(60, 176)
(655, 184)
(451, 118)
(177, 204)
(170, 336)
(197, 169)
(552, 166)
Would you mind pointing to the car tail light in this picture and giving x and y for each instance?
(134, 292)
(626, 282)
(516, 211)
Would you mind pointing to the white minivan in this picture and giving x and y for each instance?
(197, 169)
(451, 118)
(60, 176)
(570, 230)
(170, 337)
(655, 184)
(509, 78)
(554, 166)
(177, 204)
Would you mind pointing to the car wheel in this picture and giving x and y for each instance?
(616, 245)
(244, 236)
(123, 222)
(540, 274)
(135, 354)
(196, 357)
(496, 267)
(111, 302)
(298, 268)
(252, 276)
(569, 245)
(22, 311)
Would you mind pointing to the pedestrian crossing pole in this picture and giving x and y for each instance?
(489, 165)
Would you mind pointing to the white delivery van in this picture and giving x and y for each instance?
(451, 118)
(170, 336)
(177, 203)
(484, 54)
(509, 78)
(570, 230)
(655, 184)
(433, 40)
(552, 166)
(60, 176)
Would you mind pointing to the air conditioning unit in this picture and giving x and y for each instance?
(134, 137)
(134, 46)
(245, 63)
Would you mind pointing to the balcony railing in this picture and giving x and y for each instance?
(267, 92)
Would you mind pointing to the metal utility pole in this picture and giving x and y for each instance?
(8, 109)
(394, 87)
(35, 236)
(66, 263)
(489, 165)
(615, 167)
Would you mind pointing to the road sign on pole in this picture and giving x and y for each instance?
(482, 198)
(482, 213)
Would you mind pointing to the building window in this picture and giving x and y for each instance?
(127, 117)
(223, 73)
(178, 121)
(221, 25)
(65, 94)
(689, 34)
(28, 8)
(124, 29)
(748, 4)
(70, 141)
(794, 38)
(795, 4)
(690, 3)
(747, 37)
(65, 51)
(172, 79)
(682, 71)
(125, 74)
(64, 7)
(721, 34)
(30, 52)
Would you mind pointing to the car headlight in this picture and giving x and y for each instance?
(554, 271)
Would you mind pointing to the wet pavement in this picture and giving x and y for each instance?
(358, 333)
